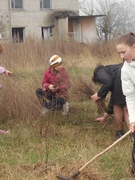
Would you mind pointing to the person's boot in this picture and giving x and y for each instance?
(119, 134)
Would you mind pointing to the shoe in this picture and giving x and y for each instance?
(44, 111)
(65, 108)
(119, 134)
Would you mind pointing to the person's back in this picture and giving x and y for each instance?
(110, 79)
(115, 72)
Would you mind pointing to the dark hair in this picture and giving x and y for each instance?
(95, 78)
(128, 39)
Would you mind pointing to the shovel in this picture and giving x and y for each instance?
(75, 174)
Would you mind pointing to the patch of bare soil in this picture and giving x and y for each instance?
(42, 172)
(87, 174)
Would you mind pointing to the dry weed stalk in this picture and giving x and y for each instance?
(85, 90)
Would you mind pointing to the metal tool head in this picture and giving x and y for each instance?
(72, 177)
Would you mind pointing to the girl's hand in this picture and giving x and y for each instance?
(95, 97)
(132, 127)
(8, 73)
(101, 119)
(51, 87)
(43, 88)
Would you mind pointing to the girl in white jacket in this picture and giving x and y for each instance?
(126, 48)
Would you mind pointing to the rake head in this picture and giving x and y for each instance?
(72, 177)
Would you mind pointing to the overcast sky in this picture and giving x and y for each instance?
(100, 0)
(88, 2)
(96, 4)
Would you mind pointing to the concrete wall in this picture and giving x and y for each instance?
(63, 28)
(72, 5)
(32, 19)
(88, 29)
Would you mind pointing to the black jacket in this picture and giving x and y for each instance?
(110, 79)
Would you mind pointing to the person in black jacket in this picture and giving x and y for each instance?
(109, 77)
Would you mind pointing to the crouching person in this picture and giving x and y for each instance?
(55, 85)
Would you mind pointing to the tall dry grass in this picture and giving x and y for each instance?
(40, 147)
(28, 62)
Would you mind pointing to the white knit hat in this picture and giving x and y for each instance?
(55, 60)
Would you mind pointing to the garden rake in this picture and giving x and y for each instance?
(75, 174)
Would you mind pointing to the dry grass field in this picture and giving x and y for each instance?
(39, 147)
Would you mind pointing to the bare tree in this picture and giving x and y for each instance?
(86, 7)
(118, 19)
(3, 28)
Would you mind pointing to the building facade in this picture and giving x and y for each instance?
(45, 19)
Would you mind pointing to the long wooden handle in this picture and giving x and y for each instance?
(107, 149)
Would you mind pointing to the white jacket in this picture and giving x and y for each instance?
(128, 87)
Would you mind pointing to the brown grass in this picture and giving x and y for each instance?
(40, 147)
(28, 62)
(1, 49)
(84, 89)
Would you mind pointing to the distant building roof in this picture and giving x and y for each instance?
(77, 16)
